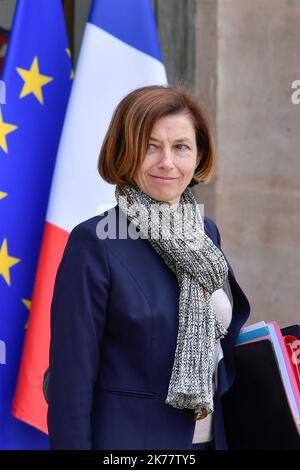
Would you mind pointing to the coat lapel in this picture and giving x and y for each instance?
(226, 366)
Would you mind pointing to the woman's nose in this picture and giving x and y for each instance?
(166, 158)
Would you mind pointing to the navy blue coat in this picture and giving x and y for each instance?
(114, 322)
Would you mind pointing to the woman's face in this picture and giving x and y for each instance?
(170, 160)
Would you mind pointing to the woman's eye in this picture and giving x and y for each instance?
(182, 146)
(151, 146)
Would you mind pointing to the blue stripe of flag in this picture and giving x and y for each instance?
(131, 21)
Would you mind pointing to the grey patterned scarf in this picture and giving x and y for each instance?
(178, 237)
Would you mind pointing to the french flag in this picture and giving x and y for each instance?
(120, 52)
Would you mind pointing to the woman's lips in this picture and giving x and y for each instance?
(163, 178)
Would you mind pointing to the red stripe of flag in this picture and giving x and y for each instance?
(35, 358)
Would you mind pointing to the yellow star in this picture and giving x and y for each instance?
(33, 81)
(5, 129)
(72, 71)
(27, 304)
(2, 195)
(6, 262)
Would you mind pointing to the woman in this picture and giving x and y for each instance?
(146, 307)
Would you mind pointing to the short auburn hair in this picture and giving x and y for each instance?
(125, 144)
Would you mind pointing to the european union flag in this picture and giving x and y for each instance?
(38, 77)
